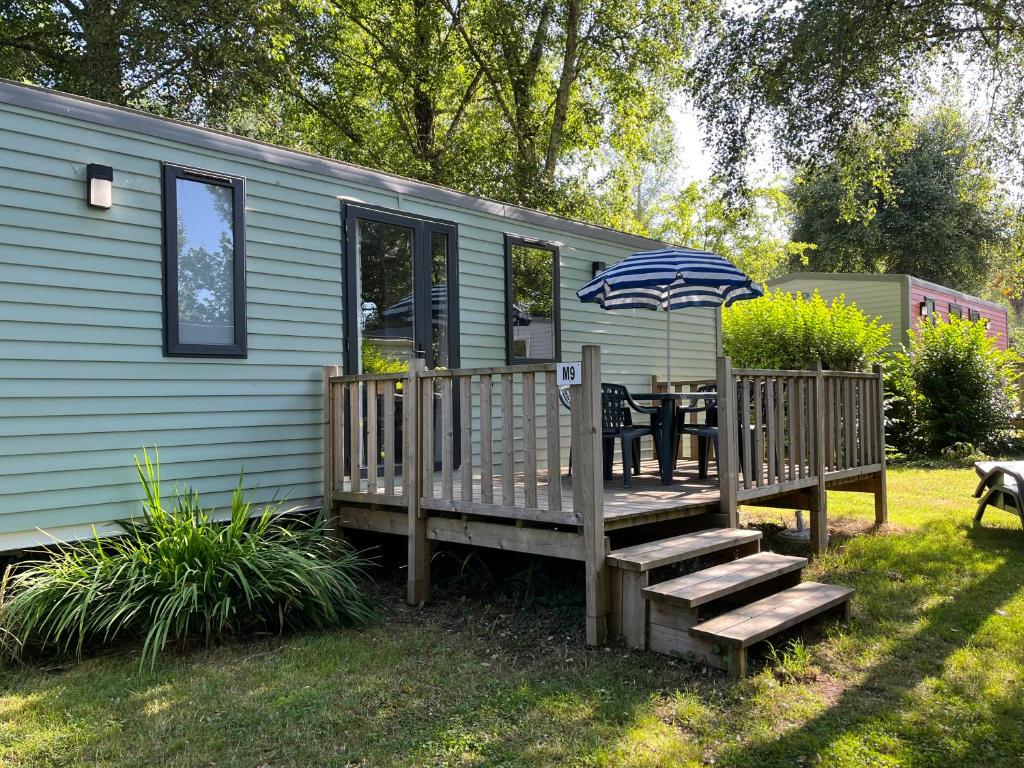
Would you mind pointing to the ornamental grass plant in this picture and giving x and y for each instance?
(181, 574)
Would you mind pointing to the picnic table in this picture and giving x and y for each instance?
(1000, 486)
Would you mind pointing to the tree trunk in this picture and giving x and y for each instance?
(423, 106)
(101, 75)
(565, 83)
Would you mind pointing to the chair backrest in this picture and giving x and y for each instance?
(614, 406)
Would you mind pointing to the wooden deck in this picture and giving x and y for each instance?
(647, 500)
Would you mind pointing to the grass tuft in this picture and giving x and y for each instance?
(179, 574)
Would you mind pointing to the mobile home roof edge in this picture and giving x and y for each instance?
(887, 278)
(81, 108)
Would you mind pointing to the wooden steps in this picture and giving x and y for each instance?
(744, 626)
(677, 616)
(654, 554)
(719, 581)
(631, 570)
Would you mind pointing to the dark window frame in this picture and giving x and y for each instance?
(956, 310)
(974, 315)
(423, 227)
(556, 308)
(173, 346)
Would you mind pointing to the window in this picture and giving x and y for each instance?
(974, 315)
(204, 264)
(532, 329)
(955, 310)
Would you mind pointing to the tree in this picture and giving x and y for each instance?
(937, 217)
(806, 71)
(752, 236)
(187, 58)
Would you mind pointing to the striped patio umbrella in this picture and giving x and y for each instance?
(669, 278)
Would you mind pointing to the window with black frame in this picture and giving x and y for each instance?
(204, 264)
(955, 310)
(532, 326)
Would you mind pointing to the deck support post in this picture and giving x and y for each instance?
(818, 494)
(728, 430)
(412, 485)
(881, 495)
(328, 451)
(588, 490)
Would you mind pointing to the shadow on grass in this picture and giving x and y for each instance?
(904, 708)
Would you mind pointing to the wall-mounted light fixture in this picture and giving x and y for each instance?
(597, 266)
(101, 182)
(927, 307)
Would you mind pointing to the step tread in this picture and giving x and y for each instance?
(718, 581)
(654, 554)
(752, 623)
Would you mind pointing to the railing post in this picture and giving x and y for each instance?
(328, 449)
(412, 483)
(881, 495)
(728, 431)
(588, 490)
(819, 496)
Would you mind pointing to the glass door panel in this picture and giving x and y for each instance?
(386, 320)
(440, 346)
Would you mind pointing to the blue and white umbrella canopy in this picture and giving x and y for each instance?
(669, 278)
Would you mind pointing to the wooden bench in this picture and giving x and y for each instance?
(1001, 484)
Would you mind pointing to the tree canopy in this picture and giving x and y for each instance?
(937, 216)
(805, 72)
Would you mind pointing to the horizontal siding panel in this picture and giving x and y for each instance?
(69, 425)
(169, 456)
(127, 505)
(114, 486)
(171, 471)
(130, 442)
(196, 406)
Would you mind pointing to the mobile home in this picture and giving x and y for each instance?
(902, 301)
(195, 309)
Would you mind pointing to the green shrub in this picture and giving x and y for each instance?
(791, 331)
(960, 386)
(177, 575)
(903, 431)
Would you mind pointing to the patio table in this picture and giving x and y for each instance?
(667, 430)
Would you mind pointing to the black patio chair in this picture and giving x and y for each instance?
(708, 434)
(617, 406)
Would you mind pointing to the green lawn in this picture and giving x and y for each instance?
(930, 671)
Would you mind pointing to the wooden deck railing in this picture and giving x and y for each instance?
(499, 451)
(792, 432)
(854, 427)
(363, 434)
(775, 431)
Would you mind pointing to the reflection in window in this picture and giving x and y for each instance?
(206, 248)
(439, 298)
(532, 311)
(204, 264)
(955, 310)
(386, 319)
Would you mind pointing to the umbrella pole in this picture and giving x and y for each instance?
(668, 346)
